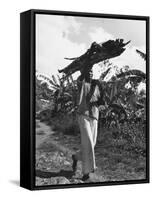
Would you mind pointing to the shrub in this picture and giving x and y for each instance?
(65, 123)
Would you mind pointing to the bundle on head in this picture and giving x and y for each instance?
(95, 54)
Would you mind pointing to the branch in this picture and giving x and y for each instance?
(95, 54)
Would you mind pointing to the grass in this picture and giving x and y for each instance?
(117, 159)
(67, 124)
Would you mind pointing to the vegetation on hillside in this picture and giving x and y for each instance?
(122, 121)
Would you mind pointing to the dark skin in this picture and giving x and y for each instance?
(88, 76)
(88, 79)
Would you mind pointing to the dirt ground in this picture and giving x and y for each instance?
(53, 159)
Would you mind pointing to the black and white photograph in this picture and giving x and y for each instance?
(90, 100)
(76, 100)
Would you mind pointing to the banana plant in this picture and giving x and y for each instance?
(121, 102)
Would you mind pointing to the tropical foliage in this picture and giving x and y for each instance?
(123, 103)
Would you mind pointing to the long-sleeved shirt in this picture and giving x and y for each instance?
(88, 99)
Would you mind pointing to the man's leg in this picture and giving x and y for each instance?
(87, 147)
(88, 139)
(78, 155)
(94, 127)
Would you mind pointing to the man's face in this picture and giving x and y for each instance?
(89, 75)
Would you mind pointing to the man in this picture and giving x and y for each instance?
(88, 114)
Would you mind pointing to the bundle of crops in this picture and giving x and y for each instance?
(95, 54)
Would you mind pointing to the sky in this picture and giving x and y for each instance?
(58, 37)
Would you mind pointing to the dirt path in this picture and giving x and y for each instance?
(53, 160)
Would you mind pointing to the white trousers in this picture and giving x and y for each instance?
(88, 129)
